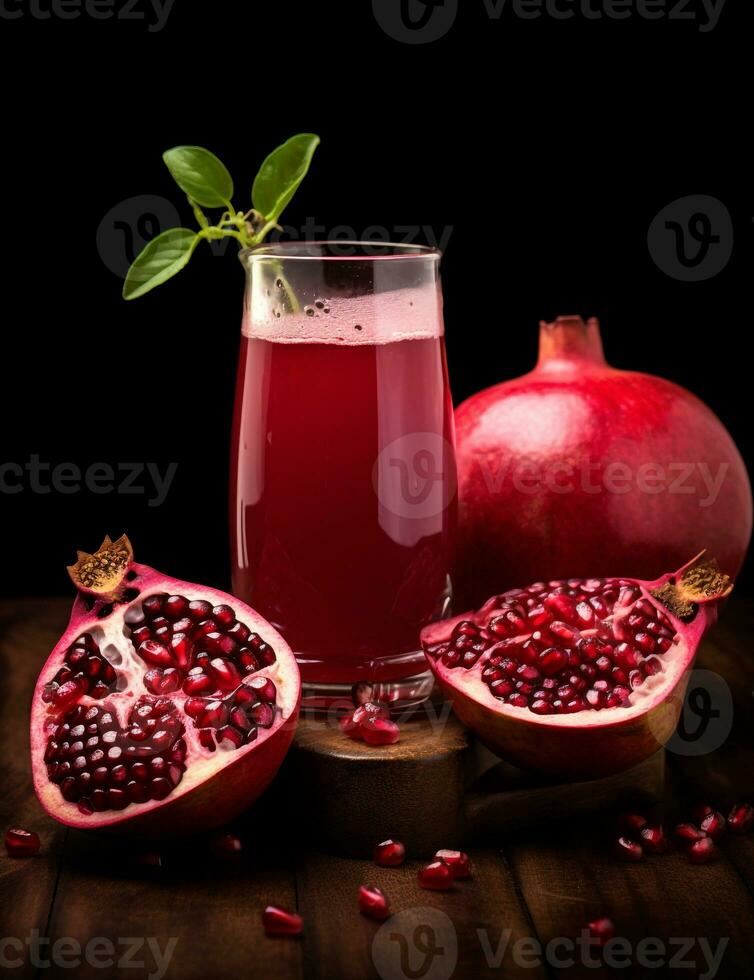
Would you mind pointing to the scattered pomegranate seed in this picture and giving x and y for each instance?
(437, 876)
(370, 722)
(224, 846)
(373, 903)
(702, 851)
(687, 833)
(700, 811)
(631, 824)
(653, 840)
(714, 825)
(389, 854)
(628, 850)
(280, 922)
(21, 843)
(457, 861)
(602, 929)
(741, 818)
(152, 860)
(380, 731)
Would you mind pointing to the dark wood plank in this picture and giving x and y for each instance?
(456, 928)
(204, 915)
(570, 877)
(28, 631)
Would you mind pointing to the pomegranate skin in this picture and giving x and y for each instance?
(216, 787)
(537, 490)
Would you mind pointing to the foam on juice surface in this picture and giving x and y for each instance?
(382, 318)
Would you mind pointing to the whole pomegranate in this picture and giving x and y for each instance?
(578, 469)
(578, 678)
(165, 707)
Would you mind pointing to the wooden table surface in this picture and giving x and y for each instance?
(197, 918)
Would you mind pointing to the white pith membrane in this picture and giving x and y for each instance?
(622, 612)
(112, 634)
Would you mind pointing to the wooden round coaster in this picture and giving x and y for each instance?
(435, 788)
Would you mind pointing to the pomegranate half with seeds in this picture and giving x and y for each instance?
(165, 708)
(577, 678)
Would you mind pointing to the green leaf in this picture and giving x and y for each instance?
(281, 173)
(159, 260)
(200, 174)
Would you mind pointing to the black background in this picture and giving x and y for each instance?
(548, 147)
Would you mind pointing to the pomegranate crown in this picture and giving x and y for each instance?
(101, 574)
(698, 583)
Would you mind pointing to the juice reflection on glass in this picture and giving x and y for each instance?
(343, 482)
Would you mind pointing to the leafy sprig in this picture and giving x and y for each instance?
(207, 184)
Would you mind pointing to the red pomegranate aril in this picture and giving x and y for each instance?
(389, 854)
(713, 825)
(700, 811)
(199, 610)
(262, 714)
(263, 688)
(741, 818)
(632, 824)
(280, 922)
(436, 876)
(226, 846)
(379, 731)
(21, 843)
(175, 607)
(653, 840)
(552, 661)
(702, 851)
(373, 903)
(223, 615)
(457, 861)
(687, 833)
(627, 849)
(601, 929)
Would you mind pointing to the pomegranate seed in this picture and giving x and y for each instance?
(389, 854)
(714, 825)
(602, 929)
(628, 850)
(687, 833)
(174, 607)
(223, 615)
(632, 823)
(263, 688)
(653, 840)
(741, 818)
(700, 811)
(457, 861)
(702, 851)
(379, 731)
(373, 903)
(150, 860)
(21, 843)
(280, 922)
(224, 846)
(436, 876)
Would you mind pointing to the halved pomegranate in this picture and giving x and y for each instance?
(165, 707)
(577, 678)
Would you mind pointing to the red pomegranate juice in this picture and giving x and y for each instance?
(343, 482)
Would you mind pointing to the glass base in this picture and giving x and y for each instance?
(396, 695)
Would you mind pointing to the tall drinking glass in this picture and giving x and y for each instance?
(343, 493)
